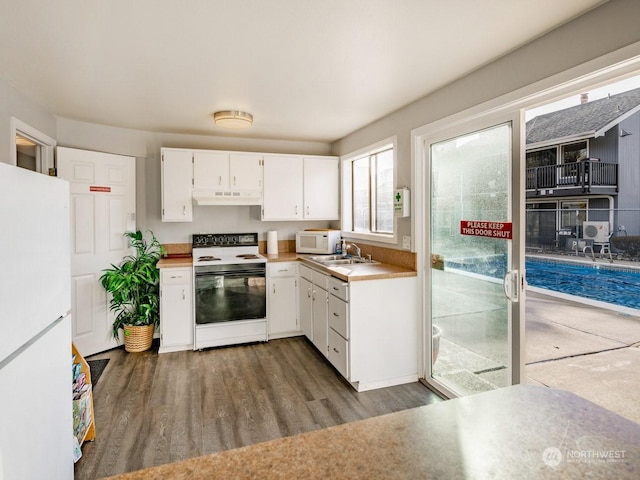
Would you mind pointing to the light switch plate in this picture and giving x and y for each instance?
(406, 242)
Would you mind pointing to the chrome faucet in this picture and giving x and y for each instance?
(358, 251)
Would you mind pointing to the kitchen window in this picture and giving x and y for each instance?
(368, 185)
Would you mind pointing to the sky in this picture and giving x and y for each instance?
(595, 94)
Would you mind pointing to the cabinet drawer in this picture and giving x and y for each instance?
(306, 272)
(339, 288)
(339, 316)
(339, 353)
(282, 269)
(172, 276)
(320, 279)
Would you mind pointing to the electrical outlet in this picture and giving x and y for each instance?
(406, 242)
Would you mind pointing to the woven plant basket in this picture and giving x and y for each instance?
(138, 338)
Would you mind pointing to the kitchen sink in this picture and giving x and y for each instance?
(335, 260)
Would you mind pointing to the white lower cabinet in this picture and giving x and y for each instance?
(305, 305)
(339, 353)
(314, 307)
(282, 300)
(320, 309)
(176, 310)
(368, 328)
(338, 318)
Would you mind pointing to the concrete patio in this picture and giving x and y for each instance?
(591, 351)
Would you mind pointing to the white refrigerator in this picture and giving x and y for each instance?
(36, 425)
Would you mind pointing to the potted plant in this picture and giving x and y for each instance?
(135, 293)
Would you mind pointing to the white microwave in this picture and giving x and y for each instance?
(317, 241)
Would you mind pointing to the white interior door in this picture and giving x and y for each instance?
(102, 206)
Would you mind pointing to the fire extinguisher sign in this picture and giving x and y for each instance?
(483, 228)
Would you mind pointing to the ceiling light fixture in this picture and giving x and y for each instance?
(233, 119)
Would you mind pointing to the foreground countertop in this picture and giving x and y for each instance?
(348, 273)
(523, 432)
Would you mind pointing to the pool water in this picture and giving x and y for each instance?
(606, 283)
(620, 286)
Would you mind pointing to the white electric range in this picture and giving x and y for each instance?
(230, 290)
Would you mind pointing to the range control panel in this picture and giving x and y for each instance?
(225, 240)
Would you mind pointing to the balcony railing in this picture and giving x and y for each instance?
(579, 175)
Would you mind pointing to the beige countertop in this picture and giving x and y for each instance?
(523, 432)
(349, 273)
(175, 262)
(362, 271)
(282, 257)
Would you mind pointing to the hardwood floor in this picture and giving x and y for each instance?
(152, 409)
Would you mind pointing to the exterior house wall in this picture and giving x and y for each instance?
(629, 175)
(625, 151)
(606, 147)
(599, 209)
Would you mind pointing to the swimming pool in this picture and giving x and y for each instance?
(608, 283)
(605, 283)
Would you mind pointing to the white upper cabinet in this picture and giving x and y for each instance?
(300, 188)
(289, 187)
(226, 171)
(245, 171)
(321, 188)
(282, 196)
(210, 170)
(177, 183)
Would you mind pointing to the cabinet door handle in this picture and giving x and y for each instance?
(219, 179)
(335, 314)
(184, 209)
(184, 295)
(336, 288)
(336, 350)
(313, 294)
(234, 180)
(296, 209)
(308, 293)
(274, 288)
(307, 209)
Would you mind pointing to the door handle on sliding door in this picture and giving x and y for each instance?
(511, 285)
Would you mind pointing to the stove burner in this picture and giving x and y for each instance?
(247, 256)
(207, 258)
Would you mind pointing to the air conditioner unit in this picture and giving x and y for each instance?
(596, 231)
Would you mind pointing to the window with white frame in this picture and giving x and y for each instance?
(368, 186)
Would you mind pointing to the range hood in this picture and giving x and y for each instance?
(225, 197)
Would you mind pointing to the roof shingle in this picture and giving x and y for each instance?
(584, 119)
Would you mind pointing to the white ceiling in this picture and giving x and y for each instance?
(307, 70)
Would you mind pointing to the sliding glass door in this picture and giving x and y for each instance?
(474, 277)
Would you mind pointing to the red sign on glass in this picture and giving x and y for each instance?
(483, 228)
(95, 188)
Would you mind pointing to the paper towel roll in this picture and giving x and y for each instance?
(272, 242)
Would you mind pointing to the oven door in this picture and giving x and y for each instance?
(224, 293)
